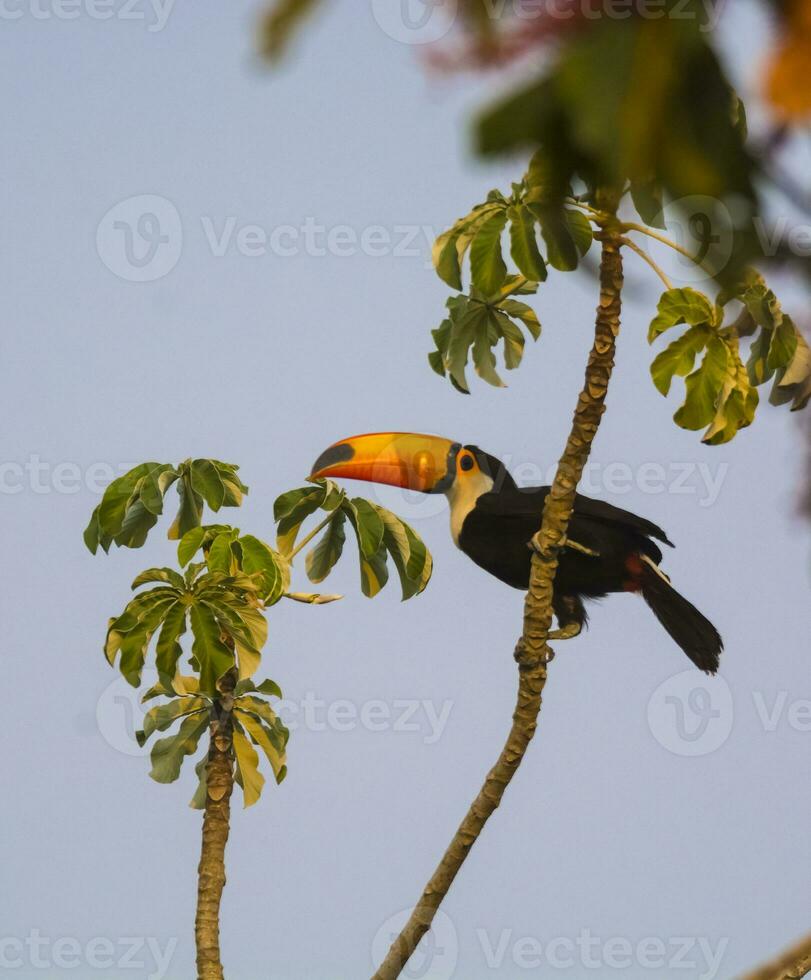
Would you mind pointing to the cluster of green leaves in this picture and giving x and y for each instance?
(254, 721)
(543, 232)
(380, 534)
(721, 392)
(132, 504)
(221, 597)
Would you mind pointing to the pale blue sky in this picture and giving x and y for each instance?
(264, 360)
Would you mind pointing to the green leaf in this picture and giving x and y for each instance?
(198, 801)
(265, 740)
(367, 524)
(212, 655)
(513, 339)
(525, 313)
(251, 779)
(562, 235)
(280, 22)
(168, 753)
(483, 358)
(270, 568)
(683, 305)
(94, 536)
(704, 386)
(794, 384)
(408, 552)
(373, 573)
(487, 268)
(783, 345)
(233, 486)
(320, 561)
(160, 575)
(649, 202)
(206, 481)
(121, 494)
(190, 512)
(267, 686)
(163, 716)
(167, 649)
(524, 245)
(291, 509)
(679, 357)
(189, 545)
(446, 258)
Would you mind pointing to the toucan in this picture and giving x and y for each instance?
(494, 521)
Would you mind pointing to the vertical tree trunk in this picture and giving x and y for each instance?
(211, 870)
(532, 652)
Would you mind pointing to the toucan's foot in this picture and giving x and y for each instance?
(576, 546)
(568, 632)
(535, 545)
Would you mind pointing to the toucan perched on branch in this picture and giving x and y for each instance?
(493, 521)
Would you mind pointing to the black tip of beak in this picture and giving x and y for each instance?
(335, 454)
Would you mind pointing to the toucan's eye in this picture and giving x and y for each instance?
(466, 463)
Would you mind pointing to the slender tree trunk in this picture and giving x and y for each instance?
(216, 821)
(532, 652)
(791, 965)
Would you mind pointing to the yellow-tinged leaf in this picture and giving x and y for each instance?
(251, 780)
(277, 760)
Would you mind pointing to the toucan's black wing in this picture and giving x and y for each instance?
(529, 501)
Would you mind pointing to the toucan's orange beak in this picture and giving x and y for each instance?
(400, 459)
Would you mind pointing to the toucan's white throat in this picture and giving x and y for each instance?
(462, 496)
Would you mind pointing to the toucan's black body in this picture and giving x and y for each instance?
(497, 532)
(494, 521)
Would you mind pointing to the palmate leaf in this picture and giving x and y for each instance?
(473, 330)
(229, 553)
(131, 633)
(321, 559)
(131, 504)
(380, 534)
(721, 392)
(291, 509)
(566, 233)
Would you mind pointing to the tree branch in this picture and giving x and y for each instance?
(791, 965)
(533, 651)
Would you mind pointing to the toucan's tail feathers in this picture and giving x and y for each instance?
(693, 632)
